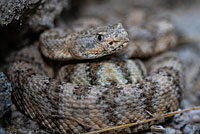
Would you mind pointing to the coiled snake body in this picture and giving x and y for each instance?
(93, 95)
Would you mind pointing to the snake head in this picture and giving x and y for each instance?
(100, 41)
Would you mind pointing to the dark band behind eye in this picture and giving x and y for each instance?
(100, 37)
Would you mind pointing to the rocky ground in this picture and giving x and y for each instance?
(21, 23)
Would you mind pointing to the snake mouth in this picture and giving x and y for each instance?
(123, 43)
(120, 45)
(105, 50)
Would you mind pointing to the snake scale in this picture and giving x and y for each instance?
(96, 94)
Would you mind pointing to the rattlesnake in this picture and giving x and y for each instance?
(96, 94)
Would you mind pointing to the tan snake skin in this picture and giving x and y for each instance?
(89, 44)
(100, 94)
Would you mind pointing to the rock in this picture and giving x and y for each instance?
(45, 14)
(36, 13)
(14, 9)
(194, 116)
(17, 122)
(186, 122)
(172, 131)
(2, 130)
(5, 94)
(191, 129)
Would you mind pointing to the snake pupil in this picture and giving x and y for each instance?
(100, 37)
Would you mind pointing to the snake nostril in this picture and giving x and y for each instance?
(110, 43)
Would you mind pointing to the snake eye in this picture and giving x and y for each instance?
(100, 37)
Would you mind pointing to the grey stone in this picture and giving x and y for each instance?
(191, 129)
(5, 94)
(2, 130)
(14, 9)
(172, 131)
(36, 13)
(185, 122)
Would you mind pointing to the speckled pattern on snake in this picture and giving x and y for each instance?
(85, 96)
